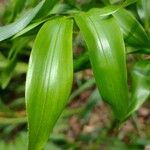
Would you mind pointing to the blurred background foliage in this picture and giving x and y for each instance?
(86, 123)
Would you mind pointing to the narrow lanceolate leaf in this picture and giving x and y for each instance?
(111, 9)
(107, 54)
(49, 79)
(47, 7)
(29, 29)
(140, 85)
(106, 11)
(133, 31)
(13, 28)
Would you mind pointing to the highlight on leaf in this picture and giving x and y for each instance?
(107, 55)
(133, 31)
(49, 79)
(140, 85)
(11, 29)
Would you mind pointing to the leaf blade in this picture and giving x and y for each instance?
(107, 55)
(133, 31)
(46, 8)
(140, 85)
(11, 29)
(49, 75)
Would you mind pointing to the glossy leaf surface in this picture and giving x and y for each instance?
(107, 54)
(49, 79)
(11, 29)
(133, 31)
(28, 29)
(111, 9)
(140, 85)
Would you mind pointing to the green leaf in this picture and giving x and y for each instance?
(18, 7)
(82, 62)
(6, 73)
(107, 54)
(111, 9)
(133, 31)
(128, 2)
(140, 85)
(11, 29)
(61, 8)
(49, 79)
(46, 8)
(106, 11)
(146, 7)
(138, 51)
(124, 4)
(29, 28)
(144, 13)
